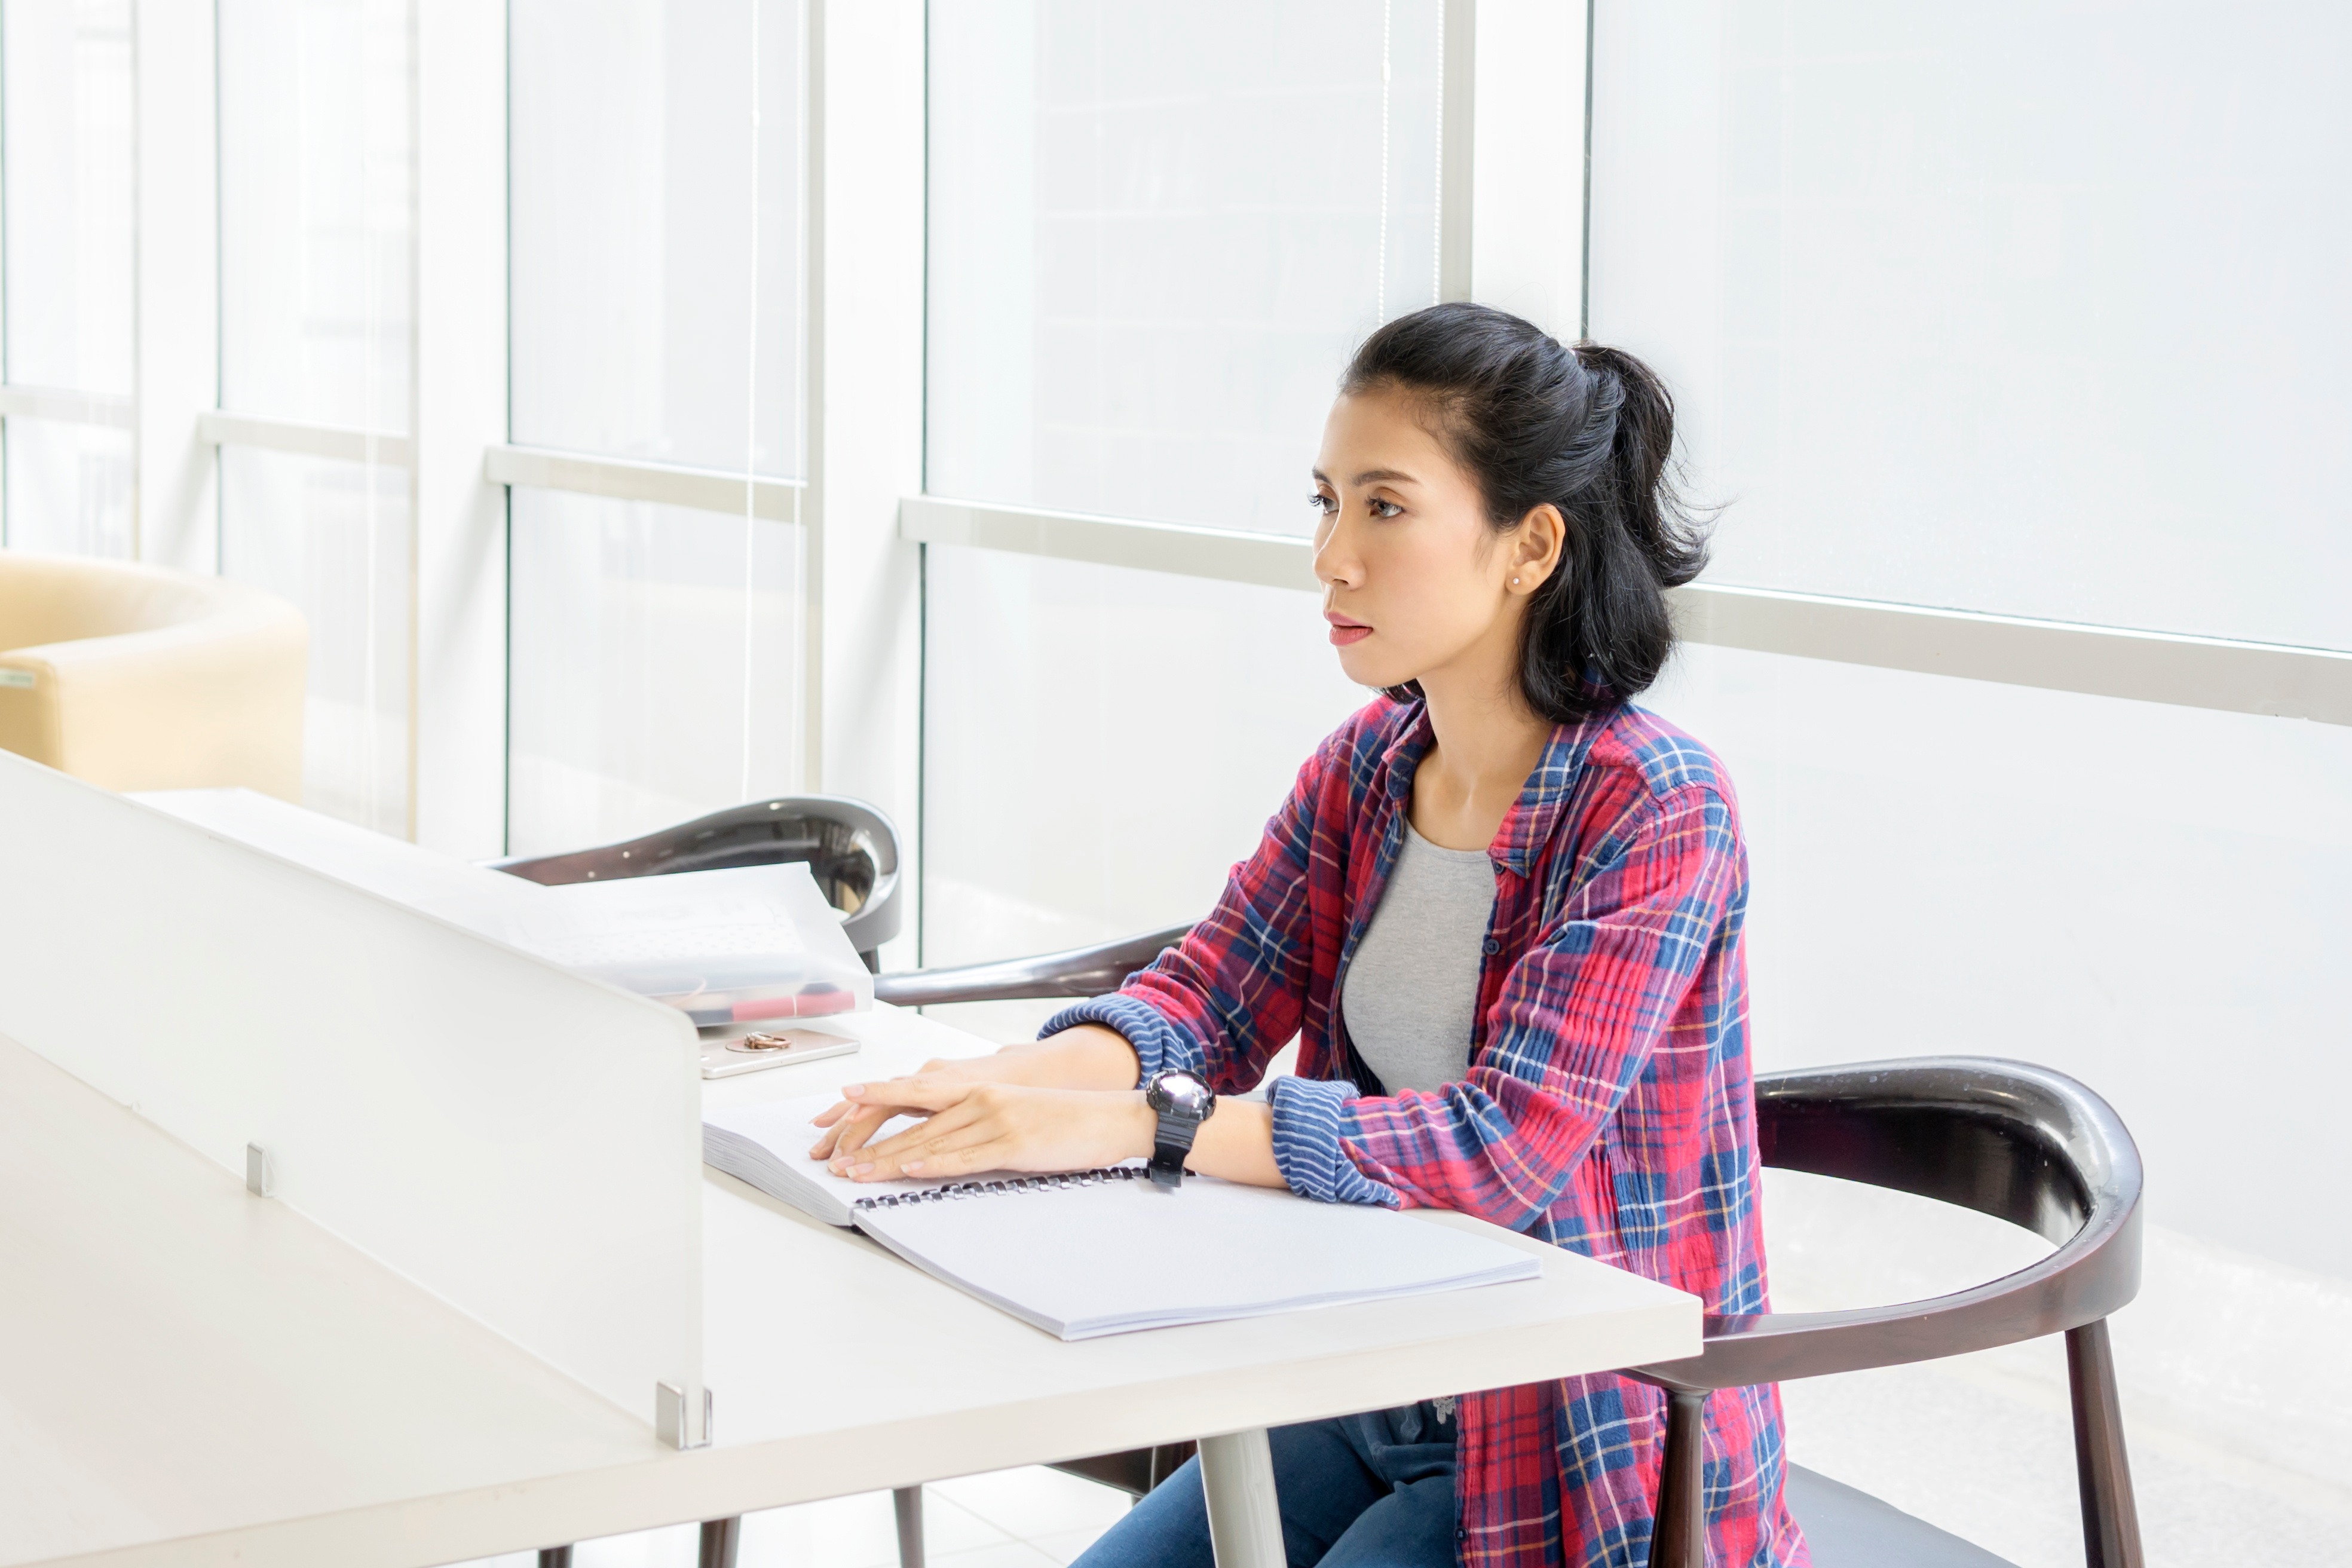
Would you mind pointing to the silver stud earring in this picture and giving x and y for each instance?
(1514, 581)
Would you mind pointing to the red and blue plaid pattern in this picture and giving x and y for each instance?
(1607, 1108)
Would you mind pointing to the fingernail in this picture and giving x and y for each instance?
(861, 1170)
(911, 1166)
(849, 1088)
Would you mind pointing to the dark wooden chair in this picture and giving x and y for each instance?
(851, 849)
(2018, 1142)
(2007, 1139)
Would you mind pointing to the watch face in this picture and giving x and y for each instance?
(1181, 1093)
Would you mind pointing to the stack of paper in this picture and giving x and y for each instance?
(1103, 1253)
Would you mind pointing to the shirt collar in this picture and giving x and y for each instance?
(1528, 824)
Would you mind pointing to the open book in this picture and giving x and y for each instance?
(1103, 1252)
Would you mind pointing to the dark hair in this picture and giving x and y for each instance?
(1590, 430)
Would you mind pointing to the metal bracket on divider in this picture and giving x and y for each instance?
(260, 1174)
(669, 1417)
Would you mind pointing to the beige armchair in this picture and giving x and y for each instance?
(136, 677)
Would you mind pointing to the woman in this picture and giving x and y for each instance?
(1502, 910)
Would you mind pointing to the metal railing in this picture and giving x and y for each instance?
(2061, 656)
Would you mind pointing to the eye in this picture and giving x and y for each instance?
(1322, 503)
(1386, 509)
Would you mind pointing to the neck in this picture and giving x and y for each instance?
(1488, 741)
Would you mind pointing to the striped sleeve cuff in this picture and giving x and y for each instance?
(1158, 1044)
(1307, 1144)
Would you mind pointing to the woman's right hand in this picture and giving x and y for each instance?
(849, 1126)
(1086, 1056)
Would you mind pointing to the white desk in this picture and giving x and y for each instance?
(191, 1375)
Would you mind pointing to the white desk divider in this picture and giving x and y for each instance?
(521, 1142)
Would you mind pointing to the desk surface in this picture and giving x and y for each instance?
(199, 1376)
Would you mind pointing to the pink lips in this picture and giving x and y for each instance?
(1345, 631)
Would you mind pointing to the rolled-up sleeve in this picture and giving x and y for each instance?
(1160, 1046)
(1307, 1149)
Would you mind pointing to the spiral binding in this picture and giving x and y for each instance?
(1013, 1184)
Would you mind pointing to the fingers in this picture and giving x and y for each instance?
(865, 1107)
(853, 1130)
(988, 1155)
(959, 1114)
(915, 1145)
(924, 1091)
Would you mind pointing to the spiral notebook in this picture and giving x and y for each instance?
(1106, 1252)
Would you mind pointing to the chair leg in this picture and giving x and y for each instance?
(2110, 1514)
(1678, 1539)
(721, 1537)
(907, 1502)
(555, 1557)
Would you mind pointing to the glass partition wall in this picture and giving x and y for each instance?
(1964, 323)
(318, 300)
(657, 300)
(655, 237)
(1155, 236)
(66, 207)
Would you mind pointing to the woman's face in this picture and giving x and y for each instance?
(1415, 580)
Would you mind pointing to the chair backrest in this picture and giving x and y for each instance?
(2009, 1138)
(851, 849)
(1079, 971)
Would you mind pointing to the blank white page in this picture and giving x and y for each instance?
(1084, 1261)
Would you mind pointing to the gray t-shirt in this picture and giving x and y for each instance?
(1412, 991)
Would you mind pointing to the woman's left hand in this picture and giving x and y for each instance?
(971, 1127)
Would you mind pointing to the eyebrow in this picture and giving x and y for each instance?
(1374, 477)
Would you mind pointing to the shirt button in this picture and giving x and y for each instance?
(1493, 947)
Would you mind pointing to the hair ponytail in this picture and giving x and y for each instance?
(1589, 430)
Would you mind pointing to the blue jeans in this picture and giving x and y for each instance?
(1362, 1491)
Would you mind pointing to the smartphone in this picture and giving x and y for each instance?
(733, 1049)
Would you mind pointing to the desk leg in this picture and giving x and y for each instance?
(1244, 1521)
(720, 1538)
(906, 1504)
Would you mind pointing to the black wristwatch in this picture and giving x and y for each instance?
(1182, 1101)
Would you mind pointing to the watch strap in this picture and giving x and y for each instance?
(1169, 1144)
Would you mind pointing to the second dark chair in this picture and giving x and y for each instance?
(2008, 1139)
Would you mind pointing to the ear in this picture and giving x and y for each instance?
(1537, 547)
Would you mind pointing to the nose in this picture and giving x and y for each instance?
(1336, 564)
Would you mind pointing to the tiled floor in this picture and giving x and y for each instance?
(1031, 1518)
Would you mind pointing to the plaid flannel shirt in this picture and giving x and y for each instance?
(1607, 1107)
